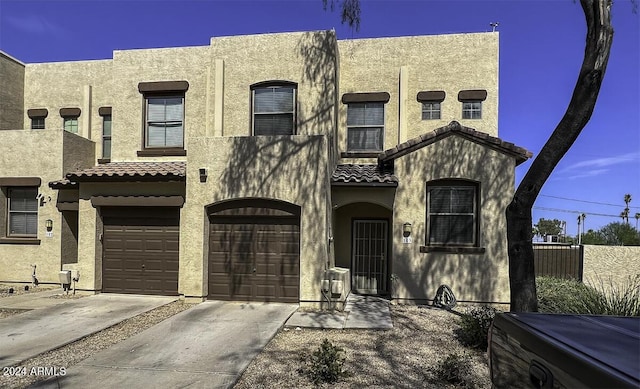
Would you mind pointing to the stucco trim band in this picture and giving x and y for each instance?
(433, 95)
(373, 97)
(472, 95)
(137, 201)
(70, 112)
(37, 113)
(163, 86)
(20, 181)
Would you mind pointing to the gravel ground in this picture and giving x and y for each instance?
(396, 358)
(71, 354)
(19, 289)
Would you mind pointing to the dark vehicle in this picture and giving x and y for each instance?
(539, 350)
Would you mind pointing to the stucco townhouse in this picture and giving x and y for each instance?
(290, 167)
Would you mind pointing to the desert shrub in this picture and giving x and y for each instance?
(556, 295)
(620, 299)
(474, 327)
(455, 369)
(570, 296)
(325, 364)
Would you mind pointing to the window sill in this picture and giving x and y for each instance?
(452, 249)
(172, 152)
(104, 160)
(360, 154)
(28, 241)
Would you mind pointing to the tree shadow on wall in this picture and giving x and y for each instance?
(295, 168)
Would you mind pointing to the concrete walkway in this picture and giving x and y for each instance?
(207, 346)
(364, 312)
(31, 333)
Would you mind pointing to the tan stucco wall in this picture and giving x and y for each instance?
(450, 63)
(472, 277)
(307, 58)
(292, 169)
(11, 93)
(33, 154)
(610, 264)
(130, 67)
(65, 85)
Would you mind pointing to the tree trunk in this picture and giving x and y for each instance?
(585, 94)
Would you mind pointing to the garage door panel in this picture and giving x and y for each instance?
(140, 250)
(254, 258)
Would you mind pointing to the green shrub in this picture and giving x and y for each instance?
(569, 296)
(474, 326)
(557, 295)
(325, 364)
(455, 369)
(620, 299)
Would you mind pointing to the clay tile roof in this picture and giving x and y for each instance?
(454, 127)
(366, 175)
(132, 171)
(63, 184)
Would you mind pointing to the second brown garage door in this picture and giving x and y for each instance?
(140, 250)
(254, 252)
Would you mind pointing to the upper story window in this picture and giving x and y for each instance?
(431, 104)
(71, 124)
(164, 122)
(105, 112)
(22, 216)
(430, 110)
(365, 121)
(70, 119)
(472, 103)
(365, 126)
(37, 117)
(164, 118)
(472, 110)
(452, 213)
(274, 108)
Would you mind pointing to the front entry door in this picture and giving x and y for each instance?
(369, 256)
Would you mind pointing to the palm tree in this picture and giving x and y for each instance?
(625, 215)
(637, 216)
(627, 200)
(581, 218)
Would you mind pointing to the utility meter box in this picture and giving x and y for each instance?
(65, 277)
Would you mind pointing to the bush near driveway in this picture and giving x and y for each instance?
(400, 357)
(569, 296)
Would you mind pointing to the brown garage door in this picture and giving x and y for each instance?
(140, 250)
(254, 251)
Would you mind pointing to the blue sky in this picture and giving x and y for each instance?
(541, 48)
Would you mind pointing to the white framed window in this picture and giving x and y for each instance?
(70, 124)
(472, 110)
(274, 109)
(22, 215)
(452, 213)
(164, 121)
(106, 136)
(430, 110)
(365, 126)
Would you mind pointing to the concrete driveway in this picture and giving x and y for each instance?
(31, 333)
(207, 346)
